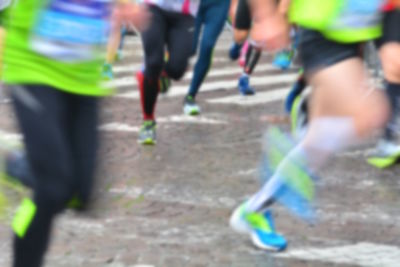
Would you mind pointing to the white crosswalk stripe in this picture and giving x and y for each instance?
(181, 90)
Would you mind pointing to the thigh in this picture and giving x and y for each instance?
(154, 38)
(42, 116)
(390, 46)
(83, 134)
(215, 18)
(243, 16)
(180, 39)
(317, 52)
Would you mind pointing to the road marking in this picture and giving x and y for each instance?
(181, 90)
(219, 72)
(138, 51)
(362, 254)
(118, 127)
(123, 127)
(259, 98)
(225, 71)
(190, 119)
(10, 137)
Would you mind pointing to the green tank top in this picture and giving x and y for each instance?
(346, 21)
(24, 64)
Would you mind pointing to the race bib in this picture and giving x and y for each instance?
(359, 14)
(72, 30)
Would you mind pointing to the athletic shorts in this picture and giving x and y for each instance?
(243, 16)
(317, 52)
(391, 28)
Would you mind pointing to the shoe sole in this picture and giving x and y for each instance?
(192, 112)
(382, 163)
(148, 142)
(258, 244)
(237, 224)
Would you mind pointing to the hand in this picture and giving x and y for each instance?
(133, 14)
(271, 32)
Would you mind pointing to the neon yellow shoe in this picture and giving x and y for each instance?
(387, 153)
(260, 226)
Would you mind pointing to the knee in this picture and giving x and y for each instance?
(207, 46)
(390, 57)
(154, 67)
(240, 36)
(55, 185)
(176, 69)
(373, 114)
(55, 196)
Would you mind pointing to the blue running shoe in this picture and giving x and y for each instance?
(260, 226)
(107, 72)
(283, 59)
(234, 51)
(244, 86)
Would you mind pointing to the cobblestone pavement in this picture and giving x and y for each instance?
(168, 205)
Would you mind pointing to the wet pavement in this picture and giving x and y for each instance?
(169, 205)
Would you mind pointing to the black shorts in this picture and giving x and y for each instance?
(317, 52)
(391, 28)
(243, 16)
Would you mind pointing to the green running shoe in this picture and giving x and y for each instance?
(147, 133)
(190, 107)
(386, 154)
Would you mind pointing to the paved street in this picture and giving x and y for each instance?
(169, 205)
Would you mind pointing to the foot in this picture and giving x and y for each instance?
(165, 83)
(190, 107)
(386, 154)
(260, 227)
(107, 72)
(283, 59)
(234, 51)
(147, 133)
(244, 86)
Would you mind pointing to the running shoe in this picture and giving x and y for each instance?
(107, 72)
(234, 51)
(283, 59)
(190, 107)
(386, 154)
(244, 86)
(147, 133)
(165, 83)
(260, 227)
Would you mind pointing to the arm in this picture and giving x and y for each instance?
(270, 28)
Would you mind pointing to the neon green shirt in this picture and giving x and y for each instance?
(346, 21)
(23, 65)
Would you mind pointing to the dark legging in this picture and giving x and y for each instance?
(171, 29)
(60, 136)
(212, 14)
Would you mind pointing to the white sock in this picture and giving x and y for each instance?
(325, 137)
